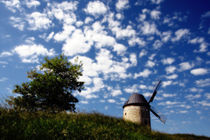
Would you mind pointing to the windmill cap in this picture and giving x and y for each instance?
(136, 99)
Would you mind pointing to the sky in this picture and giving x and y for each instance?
(125, 46)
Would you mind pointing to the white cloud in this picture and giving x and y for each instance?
(77, 44)
(17, 23)
(133, 59)
(185, 106)
(5, 54)
(204, 103)
(96, 8)
(131, 89)
(203, 82)
(88, 20)
(185, 66)
(142, 17)
(50, 36)
(173, 76)
(142, 86)
(105, 40)
(136, 40)
(155, 14)
(119, 16)
(180, 34)
(87, 93)
(196, 90)
(199, 59)
(67, 31)
(63, 11)
(100, 37)
(142, 53)
(111, 100)
(147, 94)
(29, 53)
(171, 103)
(32, 3)
(109, 67)
(168, 103)
(207, 95)
(165, 36)
(203, 47)
(90, 92)
(3, 79)
(183, 111)
(88, 66)
(122, 99)
(206, 15)
(116, 92)
(12, 5)
(79, 23)
(152, 56)
(37, 20)
(168, 95)
(98, 27)
(148, 28)
(199, 71)
(30, 40)
(192, 97)
(122, 33)
(157, 44)
(104, 61)
(196, 40)
(168, 61)
(170, 69)
(84, 102)
(166, 83)
(98, 84)
(85, 79)
(144, 74)
(119, 48)
(104, 64)
(122, 4)
(157, 1)
(150, 64)
(66, 6)
(114, 25)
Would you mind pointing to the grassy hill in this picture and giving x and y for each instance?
(40, 125)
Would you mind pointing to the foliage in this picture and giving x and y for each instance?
(51, 89)
(43, 125)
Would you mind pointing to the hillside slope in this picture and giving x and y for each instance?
(40, 125)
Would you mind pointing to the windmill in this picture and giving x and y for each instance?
(137, 109)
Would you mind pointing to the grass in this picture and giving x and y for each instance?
(42, 125)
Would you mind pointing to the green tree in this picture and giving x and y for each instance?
(51, 89)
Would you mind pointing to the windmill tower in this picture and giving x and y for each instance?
(137, 109)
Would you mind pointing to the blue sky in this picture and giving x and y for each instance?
(125, 46)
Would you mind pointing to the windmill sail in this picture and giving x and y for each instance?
(154, 92)
(161, 117)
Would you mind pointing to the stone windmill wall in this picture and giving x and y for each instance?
(135, 110)
(137, 114)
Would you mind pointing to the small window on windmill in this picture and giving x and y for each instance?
(125, 114)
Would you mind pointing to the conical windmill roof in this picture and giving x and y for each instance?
(136, 99)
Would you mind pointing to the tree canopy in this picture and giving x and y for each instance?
(51, 89)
